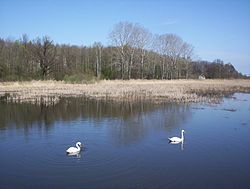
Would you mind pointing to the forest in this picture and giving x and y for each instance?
(133, 53)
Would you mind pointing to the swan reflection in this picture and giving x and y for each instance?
(76, 154)
(175, 143)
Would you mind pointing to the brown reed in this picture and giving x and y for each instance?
(49, 92)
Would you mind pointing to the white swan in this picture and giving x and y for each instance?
(74, 150)
(177, 139)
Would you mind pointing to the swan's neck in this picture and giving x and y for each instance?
(182, 136)
(78, 146)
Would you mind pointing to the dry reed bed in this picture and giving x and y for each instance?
(49, 92)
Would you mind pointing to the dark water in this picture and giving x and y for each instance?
(126, 145)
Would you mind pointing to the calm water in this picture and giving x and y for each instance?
(126, 145)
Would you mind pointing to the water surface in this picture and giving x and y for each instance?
(126, 145)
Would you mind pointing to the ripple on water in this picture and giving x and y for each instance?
(131, 154)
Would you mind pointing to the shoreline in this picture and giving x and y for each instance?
(186, 91)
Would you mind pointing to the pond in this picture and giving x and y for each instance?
(126, 144)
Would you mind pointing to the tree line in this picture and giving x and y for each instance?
(133, 53)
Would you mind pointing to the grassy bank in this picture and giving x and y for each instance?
(167, 90)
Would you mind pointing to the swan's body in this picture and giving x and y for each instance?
(177, 139)
(74, 150)
(174, 142)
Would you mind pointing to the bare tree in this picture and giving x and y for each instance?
(143, 42)
(120, 37)
(125, 36)
(45, 54)
(2, 60)
(170, 46)
(130, 56)
(174, 50)
(98, 54)
(186, 54)
(160, 45)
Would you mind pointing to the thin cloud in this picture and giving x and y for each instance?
(170, 22)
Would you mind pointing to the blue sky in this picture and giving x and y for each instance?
(216, 28)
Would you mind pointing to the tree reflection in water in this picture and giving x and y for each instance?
(128, 121)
